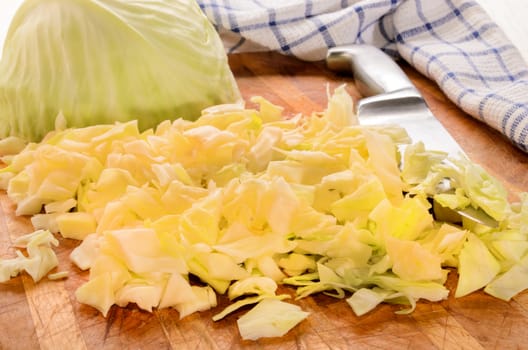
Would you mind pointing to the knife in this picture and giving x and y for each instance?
(391, 98)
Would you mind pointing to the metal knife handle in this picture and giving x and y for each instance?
(374, 71)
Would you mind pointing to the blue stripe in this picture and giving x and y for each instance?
(274, 26)
(488, 78)
(521, 141)
(323, 30)
(463, 93)
(383, 31)
(522, 110)
(233, 23)
(482, 105)
(308, 5)
(240, 42)
(217, 17)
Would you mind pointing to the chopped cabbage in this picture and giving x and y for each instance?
(270, 318)
(477, 266)
(510, 283)
(365, 299)
(40, 258)
(244, 200)
(100, 61)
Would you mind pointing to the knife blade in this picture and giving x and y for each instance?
(389, 97)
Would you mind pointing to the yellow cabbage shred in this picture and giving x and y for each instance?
(245, 199)
(39, 260)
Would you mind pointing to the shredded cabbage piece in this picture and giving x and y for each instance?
(246, 199)
(270, 318)
(38, 262)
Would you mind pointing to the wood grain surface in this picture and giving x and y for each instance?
(47, 316)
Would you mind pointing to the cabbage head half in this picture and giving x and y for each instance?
(102, 61)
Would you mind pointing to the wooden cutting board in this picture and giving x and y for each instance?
(47, 316)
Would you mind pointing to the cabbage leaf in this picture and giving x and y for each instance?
(99, 61)
(243, 200)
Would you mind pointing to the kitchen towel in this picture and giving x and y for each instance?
(453, 42)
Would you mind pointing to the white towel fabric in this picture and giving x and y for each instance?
(452, 42)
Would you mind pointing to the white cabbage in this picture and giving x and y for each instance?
(100, 61)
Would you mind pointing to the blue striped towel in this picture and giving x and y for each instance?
(452, 42)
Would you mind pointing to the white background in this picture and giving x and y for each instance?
(7, 10)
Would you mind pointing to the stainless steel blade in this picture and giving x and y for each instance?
(391, 98)
(410, 112)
